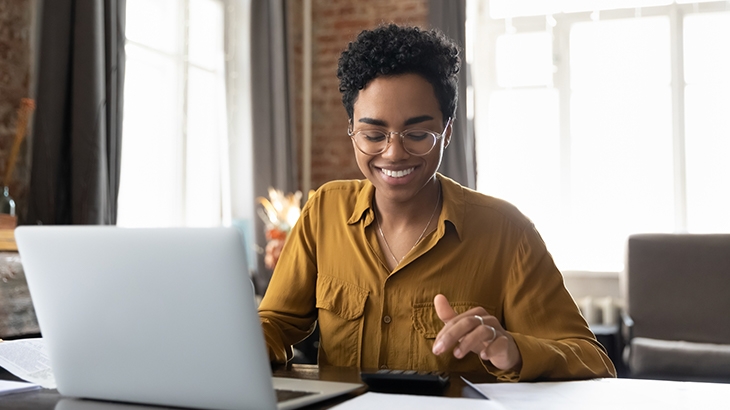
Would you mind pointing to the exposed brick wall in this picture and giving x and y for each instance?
(334, 24)
(16, 18)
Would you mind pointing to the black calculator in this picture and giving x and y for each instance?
(405, 381)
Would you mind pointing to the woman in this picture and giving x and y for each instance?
(407, 269)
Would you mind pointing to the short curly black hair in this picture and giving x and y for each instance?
(392, 50)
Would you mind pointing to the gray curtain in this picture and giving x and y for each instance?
(459, 161)
(274, 159)
(76, 140)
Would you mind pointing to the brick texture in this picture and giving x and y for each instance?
(16, 17)
(334, 24)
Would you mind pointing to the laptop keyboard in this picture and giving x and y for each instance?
(283, 395)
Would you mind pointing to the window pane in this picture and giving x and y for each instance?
(175, 120)
(514, 8)
(206, 133)
(618, 170)
(621, 169)
(154, 23)
(205, 114)
(524, 60)
(707, 48)
(694, 1)
(519, 160)
(707, 123)
(206, 33)
(148, 193)
(707, 145)
(593, 5)
(604, 54)
(621, 174)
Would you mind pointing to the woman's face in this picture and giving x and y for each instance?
(398, 103)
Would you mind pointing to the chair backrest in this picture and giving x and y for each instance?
(678, 286)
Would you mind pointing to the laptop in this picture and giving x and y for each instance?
(160, 316)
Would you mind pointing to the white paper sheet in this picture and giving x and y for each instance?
(9, 387)
(370, 400)
(28, 359)
(600, 394)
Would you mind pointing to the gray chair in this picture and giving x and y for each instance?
(678, 307)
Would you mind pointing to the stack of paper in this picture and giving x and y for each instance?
(28, 359)
(8, 387)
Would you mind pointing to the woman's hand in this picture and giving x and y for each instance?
(466, 333)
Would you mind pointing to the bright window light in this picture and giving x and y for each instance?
(575, 116)
(707, 104)
(175, 141)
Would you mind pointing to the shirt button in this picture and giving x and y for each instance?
(386, 319)
(383, 366)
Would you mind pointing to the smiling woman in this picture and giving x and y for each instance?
(407, 269)
(398, 174)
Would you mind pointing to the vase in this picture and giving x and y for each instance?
(7, 204)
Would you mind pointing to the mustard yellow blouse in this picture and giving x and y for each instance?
(483, 253)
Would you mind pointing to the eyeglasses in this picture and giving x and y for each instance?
(417, 142)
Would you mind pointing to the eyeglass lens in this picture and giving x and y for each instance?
(416, 142)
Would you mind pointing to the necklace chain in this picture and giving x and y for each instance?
(387, 245)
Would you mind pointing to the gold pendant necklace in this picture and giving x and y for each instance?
(387, 245)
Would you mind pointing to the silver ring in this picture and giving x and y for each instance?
(494, 331)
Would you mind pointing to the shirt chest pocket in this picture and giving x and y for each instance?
(426, 325)
(340, 314)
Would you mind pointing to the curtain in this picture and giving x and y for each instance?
(239, 106)
(76, 141)
(459, 162)
(274, 159)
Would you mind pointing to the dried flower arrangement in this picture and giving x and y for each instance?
(279, 212)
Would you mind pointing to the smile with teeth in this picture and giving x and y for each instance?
(397, 174)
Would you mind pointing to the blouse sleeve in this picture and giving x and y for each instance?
(287, 311)
(553, 338)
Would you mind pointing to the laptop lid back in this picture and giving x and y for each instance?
(160, 316)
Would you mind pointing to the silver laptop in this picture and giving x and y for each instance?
(162, 316)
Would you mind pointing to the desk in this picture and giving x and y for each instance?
(45, 399)
(697, 393)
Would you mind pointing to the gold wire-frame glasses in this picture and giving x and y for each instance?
(418, 142)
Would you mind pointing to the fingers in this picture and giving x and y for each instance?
(475, 331)
(458, 327)
(495, 348)
(477, 338)
(500, 350)
(443, 309)
(503, 353)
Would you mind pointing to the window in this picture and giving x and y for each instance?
(707, 124)
(599, 119)
(174, 148)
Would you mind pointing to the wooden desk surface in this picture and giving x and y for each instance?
(45, 399)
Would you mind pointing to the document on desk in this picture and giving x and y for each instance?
(371, 400)
(28, 359)
(8, 387)
(600, 394)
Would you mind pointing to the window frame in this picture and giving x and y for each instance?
(183, 65)
(487, 30)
